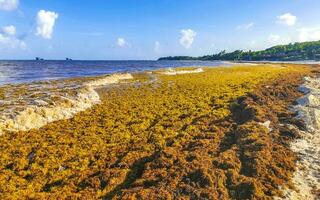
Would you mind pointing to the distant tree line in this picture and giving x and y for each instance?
(291, 52)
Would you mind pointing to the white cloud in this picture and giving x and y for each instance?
(121, 42)
(11, 42)
(287, 19)
(157, 47)
(9, 5)
(245, 26)
(309, 34)
(187, 38)
(9, 30)
(8, 39)
(274, 39)
(45, 23)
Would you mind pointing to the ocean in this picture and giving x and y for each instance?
(34, 93)
(25, 71)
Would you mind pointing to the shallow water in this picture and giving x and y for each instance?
(32, 105)
(53, 90)
(31, 70)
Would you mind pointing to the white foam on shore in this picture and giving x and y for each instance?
(35, 116)
(172, 72)
(115, 78)
(307, 177)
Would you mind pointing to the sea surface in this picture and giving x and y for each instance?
(24, 71)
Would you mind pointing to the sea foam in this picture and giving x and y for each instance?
(41, 112)
(176, 72)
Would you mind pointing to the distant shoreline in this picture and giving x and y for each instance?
(291, 52)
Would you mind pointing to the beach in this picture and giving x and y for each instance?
(229, 132)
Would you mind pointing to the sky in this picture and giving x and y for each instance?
(148, 29)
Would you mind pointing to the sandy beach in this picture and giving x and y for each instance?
(160, 100)
(306, 178)
(241, 132)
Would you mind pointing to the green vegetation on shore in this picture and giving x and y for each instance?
(192, 136)
(291, 52)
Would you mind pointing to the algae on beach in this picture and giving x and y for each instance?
(33, 105)
(189, 136)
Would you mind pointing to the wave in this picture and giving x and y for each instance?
(176, 72)
(62, 102)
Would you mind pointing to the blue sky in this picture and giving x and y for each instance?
(148, 29)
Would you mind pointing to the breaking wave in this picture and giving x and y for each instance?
(176, 72)
(35, 105)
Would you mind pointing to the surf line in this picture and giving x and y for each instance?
(34, 117)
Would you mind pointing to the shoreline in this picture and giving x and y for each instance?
(85, 97)
(40, 113)
(59, 70)
(201, 121)
(307, 177)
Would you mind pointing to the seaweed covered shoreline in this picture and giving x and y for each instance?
(220, 134)
(33, 105)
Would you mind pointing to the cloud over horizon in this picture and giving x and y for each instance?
(309, 34)
(287, 19)
(187, 38)
(45, 23)
(9, 40)
(121, 42)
